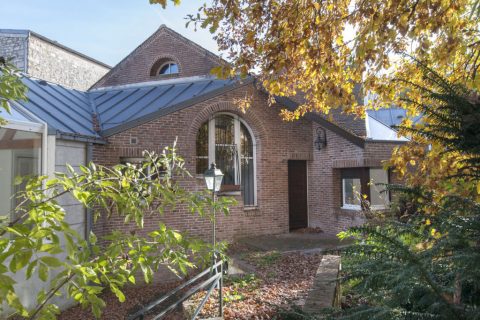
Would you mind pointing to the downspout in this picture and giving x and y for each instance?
(89, 217)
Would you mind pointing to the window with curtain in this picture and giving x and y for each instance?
(364, 182)
(226, 140)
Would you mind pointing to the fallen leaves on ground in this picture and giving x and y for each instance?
(136, 296)
(280, 282)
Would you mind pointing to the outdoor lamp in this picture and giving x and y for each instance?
(213, 178)
(321, 141)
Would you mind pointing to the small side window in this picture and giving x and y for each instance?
(364, 183)
(379, 198)
(351, 193)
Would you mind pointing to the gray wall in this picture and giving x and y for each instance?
(57, 65)
(43, 59)
(14, 46)
(75, 154)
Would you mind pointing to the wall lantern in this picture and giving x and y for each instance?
(321, 141)
(213, 178)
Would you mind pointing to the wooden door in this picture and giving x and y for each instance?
(297, 194)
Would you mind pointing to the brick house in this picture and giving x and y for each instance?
(285, 175)
(281, 173)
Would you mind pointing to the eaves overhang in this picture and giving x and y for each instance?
(292, 105)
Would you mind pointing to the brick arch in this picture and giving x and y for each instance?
(160, 61)
(251, 119)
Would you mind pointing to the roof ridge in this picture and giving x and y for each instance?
(156, 82)
(146, 42)
(26, 75)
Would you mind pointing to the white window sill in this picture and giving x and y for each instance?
(351, 207)
(379, 207)
(229, 193)
(250, 208)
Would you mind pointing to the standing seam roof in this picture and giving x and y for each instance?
(69, 111)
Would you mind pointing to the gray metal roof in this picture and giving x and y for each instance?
(70, 112)
(64, 110)
(123, 107)
(391, 116)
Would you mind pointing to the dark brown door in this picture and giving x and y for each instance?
(297, 194)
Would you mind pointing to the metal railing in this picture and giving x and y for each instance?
(214, 281)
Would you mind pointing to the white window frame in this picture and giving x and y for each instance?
(38, 126)
(169, 63)
(211, 147)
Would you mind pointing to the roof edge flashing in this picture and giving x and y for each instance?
(157, 82)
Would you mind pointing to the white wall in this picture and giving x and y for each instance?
(73, 153)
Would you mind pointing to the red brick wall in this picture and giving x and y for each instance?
(165, 44)
(325, 181)
(277, 141)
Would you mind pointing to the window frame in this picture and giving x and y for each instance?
(169, 63)
(237, 121)
(349, 206)
(362, 173)
(35, 126)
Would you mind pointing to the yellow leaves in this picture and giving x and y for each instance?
(302, 43)
(428, 222)
(435, 233)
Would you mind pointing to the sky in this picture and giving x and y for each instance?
(106, 30)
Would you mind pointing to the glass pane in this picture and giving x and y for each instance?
(247, 166)
(165, 69)
(246, 142)
(351, 191)
(225, 148)
(173, 68)
(202, 149)
(377, 196)
(20, 155)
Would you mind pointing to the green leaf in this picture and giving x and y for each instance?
(51, 261)
(30, 269)
(42, 272)
(20, 260)
(118, 293)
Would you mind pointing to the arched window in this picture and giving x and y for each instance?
(168, 68)
(165, 66)
(226, 140)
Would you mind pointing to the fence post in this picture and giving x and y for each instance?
(220, 293)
